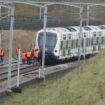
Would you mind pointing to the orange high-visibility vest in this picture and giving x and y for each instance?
(36, 54)
(29, 54)
(23, 55)
(1, 52)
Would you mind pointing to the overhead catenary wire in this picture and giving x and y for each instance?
(0, 29)
(39, 4)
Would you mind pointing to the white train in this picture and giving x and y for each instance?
(62, 43)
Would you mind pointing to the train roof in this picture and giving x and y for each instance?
(102, 27)
(77, 28)
(88, 28)
(56, 29)
(96, 28)
(74, 29)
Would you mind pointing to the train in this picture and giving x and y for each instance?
(62, 42)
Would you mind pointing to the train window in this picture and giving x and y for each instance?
(71, 29)
(84, 34)
(88, 42)
(92, 41)
(76, 43)
(95, 39)
(69, 36)
(103, 40)
(99, 40)
(51, 40)
(64, 36)
(69, 51)
(94, 33)
(101, 27)
(64, 44)
(82, 42)
(99, 33)
(87, 28)
(72, 44)
(69, 44)
(61, 44)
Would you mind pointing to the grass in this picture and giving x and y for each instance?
(83, 86)
(22, 39)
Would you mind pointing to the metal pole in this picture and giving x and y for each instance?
(9, 13)
(44, 36)
(80, 34)
(87, 21)
(40, 13)
(84, 47)
(19, 57)
(0, 29)
(10, 46)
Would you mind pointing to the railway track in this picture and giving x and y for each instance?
(30, 69)
(30, 72)
(23, 69)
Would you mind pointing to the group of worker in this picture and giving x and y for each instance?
(31, 56)
(2, 53)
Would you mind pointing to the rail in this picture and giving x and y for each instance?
(30, 72)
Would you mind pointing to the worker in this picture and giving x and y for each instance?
(2, 53)
(32, 54)
(29, 55)
(36, 57)
(17, 51)
(32, 47)
(23, 56)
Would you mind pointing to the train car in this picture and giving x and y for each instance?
(53, 42)
(62, 43)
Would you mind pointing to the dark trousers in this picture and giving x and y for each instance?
(17, 55)
(35, 61)
(1, 58)
(23, 60)
(28, 60)
(40, 61)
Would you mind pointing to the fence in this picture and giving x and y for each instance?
(34, 22)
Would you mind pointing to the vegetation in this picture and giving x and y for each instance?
(83, 86)
(27, 16)
(21, 38)
(62, 13)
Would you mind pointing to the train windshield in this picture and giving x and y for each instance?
(51, 39)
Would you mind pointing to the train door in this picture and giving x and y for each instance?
(99, 41)
(63, 45)
(84, 43)
(88, 41)
(94, 41)
(103, 39)
(73, 44)
(69, 44)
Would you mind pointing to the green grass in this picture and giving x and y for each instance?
(83, 86)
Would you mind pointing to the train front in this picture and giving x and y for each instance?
(51, 54)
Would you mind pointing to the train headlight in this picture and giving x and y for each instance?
(55, 51)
